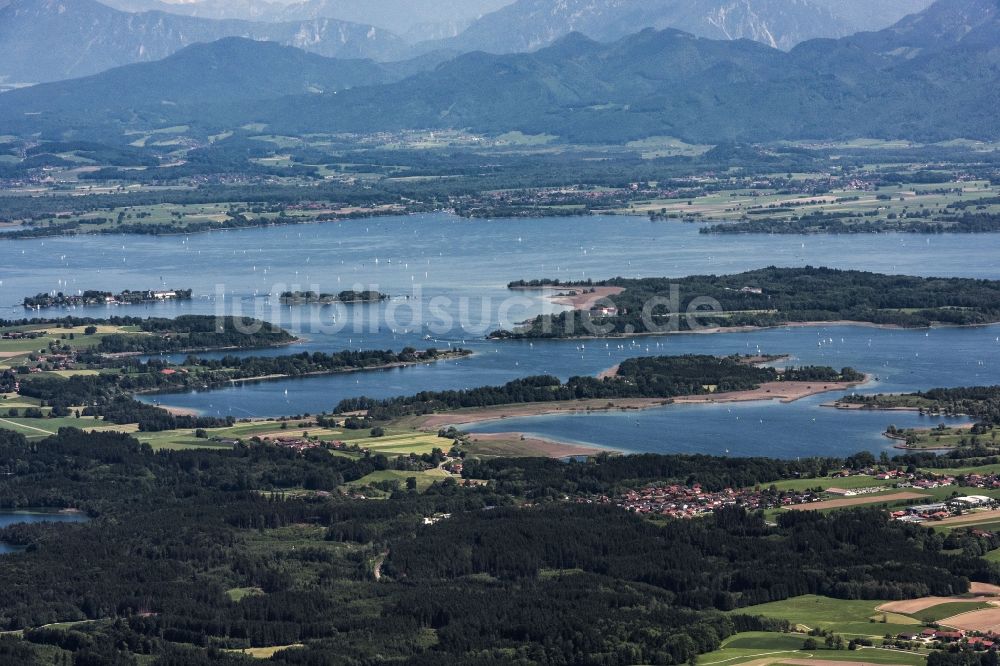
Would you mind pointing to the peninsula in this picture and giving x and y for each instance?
(763, 298)
(637, 383)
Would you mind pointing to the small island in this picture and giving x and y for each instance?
(349, 296)
(95, 297)
(758, 299)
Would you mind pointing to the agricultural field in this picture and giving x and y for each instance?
(739, 204)
(859, 500)
(392, 444)
(845, 483)
(849, 618)
(395, 442)
(265, 652)
(949, 609)
(765, 648)
(986, 620)
(424, 479)
(752, 645)
(14, 351)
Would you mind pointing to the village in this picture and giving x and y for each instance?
(94, 297)
(683, 501)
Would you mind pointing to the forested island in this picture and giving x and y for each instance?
(349, 296)
(768, 297)
(94, 297)
(663, 377)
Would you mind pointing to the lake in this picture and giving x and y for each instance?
(448, 280)
(14, 517)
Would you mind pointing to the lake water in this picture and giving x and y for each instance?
(448, 278)
(14, 517)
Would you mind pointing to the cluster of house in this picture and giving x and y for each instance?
(297, 444)
(955, 506)
(59, 361)
(680, 501)
(21, 335)
(982, 480)
(93, 297)
(901, 478)
(303, 444)
(951, 636)
(854, 492)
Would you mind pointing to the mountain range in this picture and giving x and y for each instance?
(204, 81)
(48, 40)
(934, 75)
(413, 19)
(527, 25)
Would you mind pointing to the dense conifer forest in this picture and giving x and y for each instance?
(188, 553)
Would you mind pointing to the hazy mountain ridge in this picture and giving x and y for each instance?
(531, 24)
(46, 40)
(672, 83)
(202, 81)
(933, 76)
(419, 19)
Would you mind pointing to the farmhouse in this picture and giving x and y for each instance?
(943, 636)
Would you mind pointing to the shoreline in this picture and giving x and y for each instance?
(584, 299)
(187, 411)
(345, 371)
(434, 422)
(748, 329)
(206, 350)
(519, 444)
(785, 392)
(762, 360)
(857, 407)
